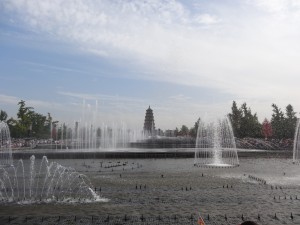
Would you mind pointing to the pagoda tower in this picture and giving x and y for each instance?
(149, 125)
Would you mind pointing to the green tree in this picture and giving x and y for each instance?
(48, 126)
(23, 125)
(194, 129)
(235, 118)
(184, 131)
(12, 124)
(3, 115)
(250, 126)
(38, 122)
(278, 122)
(244, 123)
(29, 123)
(283, 124)
(290, 121)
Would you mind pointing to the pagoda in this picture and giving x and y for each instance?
(149, 125)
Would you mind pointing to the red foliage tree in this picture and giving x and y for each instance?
(54, 132)
(267, 129)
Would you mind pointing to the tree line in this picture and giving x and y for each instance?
(244, 123)
(28, 123)
(185, 131)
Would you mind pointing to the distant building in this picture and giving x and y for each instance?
(159, 132)
(170, 133)
(149, 125)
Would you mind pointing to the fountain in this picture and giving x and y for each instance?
(90, 132)
(93, 136)
(5, 145)
(46, 182)
(215, 145)
(296, 148)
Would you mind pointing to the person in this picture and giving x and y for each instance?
(248, 223)
(200, 221)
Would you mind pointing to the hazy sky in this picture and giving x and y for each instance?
(187, 59)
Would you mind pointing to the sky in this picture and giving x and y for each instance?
(113, 58)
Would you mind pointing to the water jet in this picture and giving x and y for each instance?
(215, 145)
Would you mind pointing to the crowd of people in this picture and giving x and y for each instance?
(266, 144)
(243, 143)
(28, 143)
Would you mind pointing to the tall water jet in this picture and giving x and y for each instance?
(5, 145)
(296, 148)
(215, 144)
(94, 136)
(90, 131)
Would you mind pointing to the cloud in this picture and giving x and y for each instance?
(101, 97)
(97, 52)
(14, 100)
(7, 99)
(180, 97)
(207, 19)
(277, 6)
(249, 49)
(44, 67)
(38, 104)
